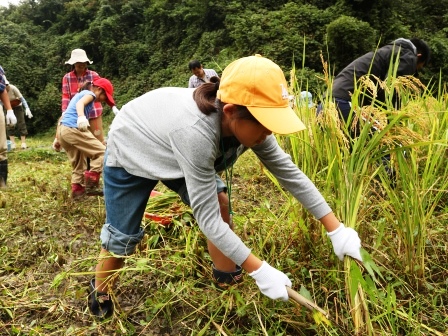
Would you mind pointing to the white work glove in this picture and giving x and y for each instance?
(10, 118)
(56, 145)
(115, 110)
(28, 113)
(82, 123)
(345, 242)
(271, 282)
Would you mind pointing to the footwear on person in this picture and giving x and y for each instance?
(100, 304)
(23, 145)
(226, 279)
(3, 173)
(77, 190)
(13, 145)
(92, 180)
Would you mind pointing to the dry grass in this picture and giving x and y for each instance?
(49, 246)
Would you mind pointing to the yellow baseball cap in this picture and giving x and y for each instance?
(259, 84)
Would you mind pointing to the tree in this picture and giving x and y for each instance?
(348, 38)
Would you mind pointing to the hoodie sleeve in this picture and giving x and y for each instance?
(291, 177)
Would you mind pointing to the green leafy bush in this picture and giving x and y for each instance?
(349, 38)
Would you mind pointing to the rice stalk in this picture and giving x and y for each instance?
(348, 165)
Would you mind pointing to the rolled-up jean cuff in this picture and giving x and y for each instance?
(119, 243)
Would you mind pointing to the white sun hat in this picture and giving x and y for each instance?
(78, 55)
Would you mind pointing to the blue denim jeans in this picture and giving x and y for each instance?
(126, 197)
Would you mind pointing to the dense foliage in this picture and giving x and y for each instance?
(141, 45)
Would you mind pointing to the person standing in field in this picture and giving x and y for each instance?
(10, 119)
(183, 137)
(76, 78)
(18, 102)
(200, 75)
(79, 143)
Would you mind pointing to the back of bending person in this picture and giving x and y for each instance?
(183, 137)
(408, 55)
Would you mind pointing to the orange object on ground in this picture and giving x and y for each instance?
(155, 193)
(163, 220)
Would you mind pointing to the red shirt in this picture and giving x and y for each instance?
(70, 86)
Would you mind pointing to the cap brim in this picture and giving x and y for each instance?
(280, 120)
(110, 100)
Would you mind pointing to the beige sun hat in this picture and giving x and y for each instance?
(78, 55)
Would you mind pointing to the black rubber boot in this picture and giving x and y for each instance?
(3, 173)
(226, 279)
(100, 304)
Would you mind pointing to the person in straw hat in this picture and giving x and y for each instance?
(183, 137)
(77, 77)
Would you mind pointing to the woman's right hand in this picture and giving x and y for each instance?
(271, 282)
(56, 145)
(82, 123)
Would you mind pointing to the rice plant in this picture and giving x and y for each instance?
(392, 175)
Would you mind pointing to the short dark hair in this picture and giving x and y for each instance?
(194, 64)
(423, 49)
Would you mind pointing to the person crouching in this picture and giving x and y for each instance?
(79, 142)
